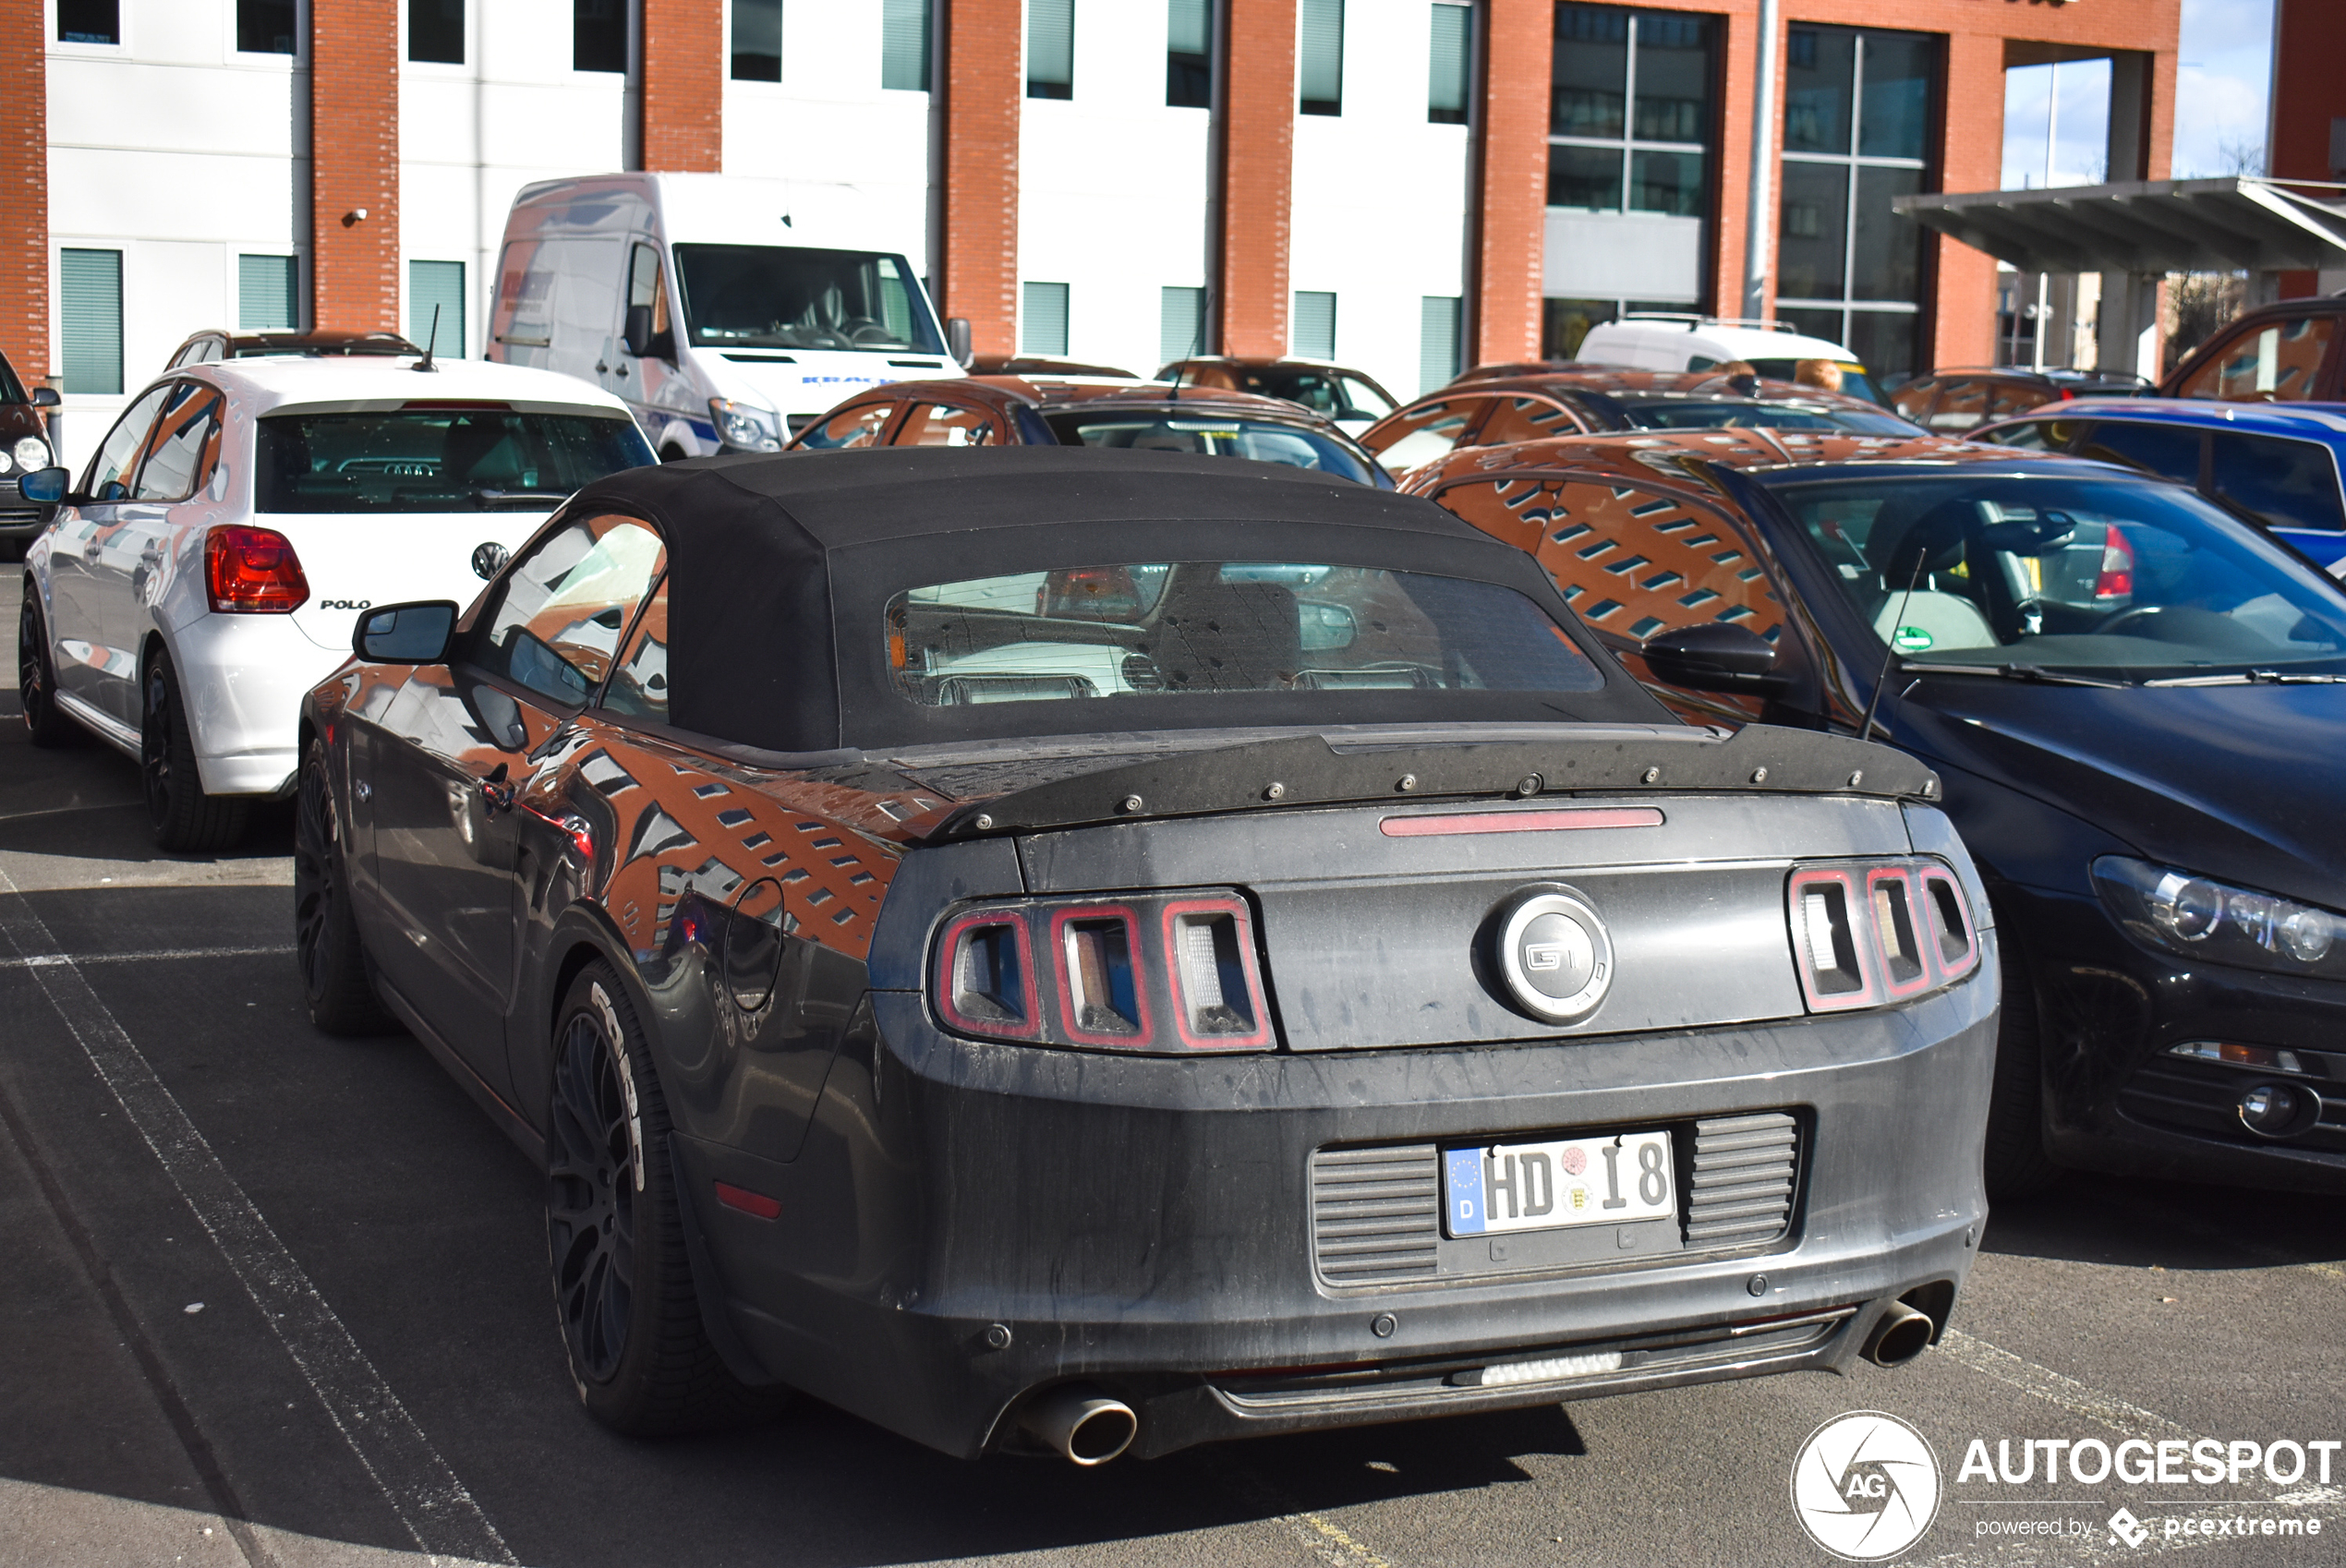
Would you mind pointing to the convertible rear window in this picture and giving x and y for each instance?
(470, 458)
(1136, 630)
(1219, 435)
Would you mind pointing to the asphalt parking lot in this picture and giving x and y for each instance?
(278, 1298)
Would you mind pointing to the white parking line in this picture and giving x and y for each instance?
(435, 1507)
(145, 956)
(2054, 1389)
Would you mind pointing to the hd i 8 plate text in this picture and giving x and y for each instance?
(1574, 1181)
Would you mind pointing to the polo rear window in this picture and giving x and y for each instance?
(453, 457)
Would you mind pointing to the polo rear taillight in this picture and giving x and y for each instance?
(252, 571)
(1167, 974)
(1868, 932)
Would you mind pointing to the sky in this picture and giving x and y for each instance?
(2221, 93)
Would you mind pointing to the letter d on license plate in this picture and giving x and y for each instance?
(1574, 1181)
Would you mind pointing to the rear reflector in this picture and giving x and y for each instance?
(755, 1204)
(252, 571)
(1443, 823)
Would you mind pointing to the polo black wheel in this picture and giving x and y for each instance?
(334, 973)
(639, 1356)
(185, 819)
(37, 678)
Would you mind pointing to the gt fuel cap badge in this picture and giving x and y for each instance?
(1557, 956)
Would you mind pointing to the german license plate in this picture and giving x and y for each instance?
(1572, 1181)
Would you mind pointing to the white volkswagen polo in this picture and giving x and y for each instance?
(210, 565)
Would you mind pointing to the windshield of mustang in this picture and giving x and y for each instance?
(1211, 626)
(2112, 577)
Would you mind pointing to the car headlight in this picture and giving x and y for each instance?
(31, 453)
(744, 427)
(2202, 918)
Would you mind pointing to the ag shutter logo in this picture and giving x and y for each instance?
(1865, 1486)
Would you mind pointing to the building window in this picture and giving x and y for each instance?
(1320, 57)
(1450, 61)
(1439, 319)
(1857, 124)
(266, 26)
(1050, 48)
(1629, 111)
(1314, 334)
(268, 297)
(92, 310)
(436, 31)
(1189, 54)
(1042, 319)
(904, 45)
(757, 41)
(598, 35)
(436, 293)
(90, 21)
(1181, 323)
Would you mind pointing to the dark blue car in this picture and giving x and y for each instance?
(2275, 463)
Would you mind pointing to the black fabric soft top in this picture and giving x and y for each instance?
(781, 568)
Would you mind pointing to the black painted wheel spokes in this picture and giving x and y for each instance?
(31, 682)
(590, 1201)
(154, 744)
(314, 889)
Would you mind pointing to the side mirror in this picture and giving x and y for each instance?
(405, 633)
(46, 397)
(1715, 658)
(641, 341)
(44, 485)
(957, 338)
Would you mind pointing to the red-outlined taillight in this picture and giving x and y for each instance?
(1829, 942)
(250, 571)
(986, 977)
(1899, 943)
(1102, 974)
(1218, 990)
(1953, 944)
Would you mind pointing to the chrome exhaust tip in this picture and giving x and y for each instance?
(1081, 1425)
(1901, 1334)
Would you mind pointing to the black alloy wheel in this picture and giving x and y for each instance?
(37, 678)
(639, 1355)
(185, 819)
(334, 973)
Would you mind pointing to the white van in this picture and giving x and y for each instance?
(1659, 341)
(724, 312)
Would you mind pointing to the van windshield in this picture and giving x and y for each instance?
(787, 297)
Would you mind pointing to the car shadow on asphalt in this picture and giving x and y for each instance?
(2137, 1223)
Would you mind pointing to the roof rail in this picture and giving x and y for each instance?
(1694, 321)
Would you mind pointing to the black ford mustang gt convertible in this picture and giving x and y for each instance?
(1065, 951)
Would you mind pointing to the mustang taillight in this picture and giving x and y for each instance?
(1868, 932)
(1168, 973)
(252, 570)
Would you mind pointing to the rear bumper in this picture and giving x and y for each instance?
(1146, 1224)
(242, 679)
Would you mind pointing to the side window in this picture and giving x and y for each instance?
(2011, 398)
(184, 447)
(2031, 435)
(553, 623)
(1360, 397)
(1424, 433)
(639, 686)
(2288, 484)
(111, 471)
(1913, 399)
(1961, 405)
(2161, 449)
(859, 426)
(2274, 364)
(645, 286)
(1526, 419)
(940, 424)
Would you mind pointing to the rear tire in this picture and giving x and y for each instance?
(2014, 1162)
(639, 1356)
(37, 678)
(672, 454)
(334, 973)
(185, 820)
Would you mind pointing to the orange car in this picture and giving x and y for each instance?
(1352, 398)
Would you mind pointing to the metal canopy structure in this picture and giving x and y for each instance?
(2139, 227)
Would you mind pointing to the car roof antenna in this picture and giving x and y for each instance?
(1864, 725)
(1197, 341)
(424, 365)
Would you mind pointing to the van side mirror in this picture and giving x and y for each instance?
(45, 487)
(405, 633)
(1715, 658)
(46, 397)
(641, 341)
(957, 338)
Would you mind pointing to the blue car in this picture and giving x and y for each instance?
(2275, 463)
